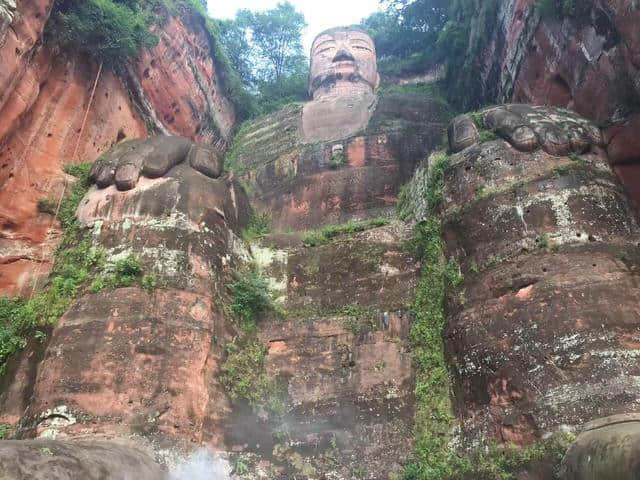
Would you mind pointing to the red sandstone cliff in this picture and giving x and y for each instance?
(590, 65)
(174, 88)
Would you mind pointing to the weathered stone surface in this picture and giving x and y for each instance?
(129, 362)
(543, 335)
(335, 117)
(462, 133)
(87, 460)
(588, 63)
(305, 185)
(343, 62)
(43, 98)
(342, 82)
(607, 448)
(153, 158)
(206, 160)
(342, 352)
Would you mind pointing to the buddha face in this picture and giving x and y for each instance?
(342, 57)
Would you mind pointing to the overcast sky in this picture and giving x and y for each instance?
(320, 14)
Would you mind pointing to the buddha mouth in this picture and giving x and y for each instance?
(344, 65)
(342, 69)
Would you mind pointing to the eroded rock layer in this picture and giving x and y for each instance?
(342, 351)
(543, 332)
(173, 88)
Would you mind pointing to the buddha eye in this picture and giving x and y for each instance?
(361, 46)
(325, 50)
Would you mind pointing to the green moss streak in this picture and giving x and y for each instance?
(331, 232)
(75, 259)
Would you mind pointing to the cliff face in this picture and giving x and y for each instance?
(174, 88)
(151, 362)
(589, 64)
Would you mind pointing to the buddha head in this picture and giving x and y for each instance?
(343, 59)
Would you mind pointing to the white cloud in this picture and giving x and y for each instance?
(320, 14)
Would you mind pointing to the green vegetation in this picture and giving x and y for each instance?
(265, 47)
(432, 458)
(435, 182)
(106, 30)
(259, 226)
(543, 241)
(452, 274)
(244, 377)
(114, 31)
(150, 282)
(578, 159)
(46, 451)
(125, 272)
(76, 258)
(487, 136)
(329, 233)
(47, 205)
(478, 119)
(405, 32)
(242, 373)
(412, 36)
(357, 317)
(5, 431)
(337, 160)
(78, 170)
(250, 298)
(78, 265)
(404, 205)
(435, 91)
(241, 467)
(499, 462)
(560, 170)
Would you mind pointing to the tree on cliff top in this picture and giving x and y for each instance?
(406, 32)
(277, 37)
(266, 49)
(107, 30)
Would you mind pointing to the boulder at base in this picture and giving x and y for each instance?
(85, 460)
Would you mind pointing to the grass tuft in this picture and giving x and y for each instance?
(329, 233)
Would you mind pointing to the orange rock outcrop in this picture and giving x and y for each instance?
(173, 88)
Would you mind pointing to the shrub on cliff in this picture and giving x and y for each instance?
(113, 31)
(251, 298)
(20, 319)
(106, 30)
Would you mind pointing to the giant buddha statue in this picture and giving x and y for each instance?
(342, 83)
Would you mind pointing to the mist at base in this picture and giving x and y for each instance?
(201, 465)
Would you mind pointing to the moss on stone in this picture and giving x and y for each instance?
(329, 233)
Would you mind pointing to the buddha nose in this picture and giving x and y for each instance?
(343, 55)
